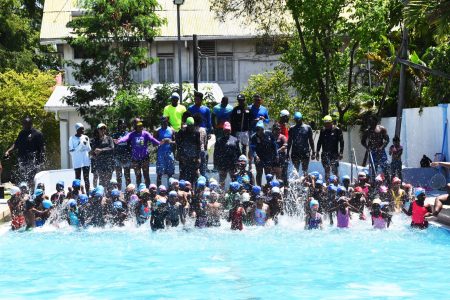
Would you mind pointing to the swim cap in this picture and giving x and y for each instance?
(201, 183)
(362, 174)
(72, 203)
(274, 183)
(82, 199)
(115, 193)
(141, 187)
(14, 190)
(260, 124)
(99, 191)
(246, 197)
(38, 192)
(76, 183)
(379, 178)
(174, 181)
(60, 183)
(269, 177)
(171, 179)
(376, 201)
(173, 194)
(332, 178)
(315, 174)
(162, 188)
(190, 121)
(206, 194)
(396, 180)
(144, 192)
(313, 202)
(383, 189)
(256, 190)
(284, 113)
(130, 188)
(319, 182)
(152, 186)
(175, 96)
(213, 185)
(276, 190)
(243, 158)
(345, 177)
(341, 189)
(358, 189)
(182, 184)
(47, 204)
(419, 191)
(298, 115)
(235, 185)
(327, 119)
(332, 188)
(117, 205)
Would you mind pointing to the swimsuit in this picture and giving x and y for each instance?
(315, 222)
(260, 217)
(418, 216)
(379, 222)
(343, 220)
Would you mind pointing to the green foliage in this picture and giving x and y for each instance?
(25, 94)
(438, 89)
(113, 36)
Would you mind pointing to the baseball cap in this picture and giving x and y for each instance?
(190, 121)
(298, 115)
(101, 125)
(327, 119)
(284, 113)
(78, 126)
(240, 97)
(175, 96)
(226, 126)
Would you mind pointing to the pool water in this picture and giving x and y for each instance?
(278, 262)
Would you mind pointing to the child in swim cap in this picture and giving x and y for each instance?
(313, 217)
(380, 219)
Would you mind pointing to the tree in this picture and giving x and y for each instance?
(329, 39)
(25, 94)
(113, 37)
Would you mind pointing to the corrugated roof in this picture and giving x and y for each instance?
(196, 18)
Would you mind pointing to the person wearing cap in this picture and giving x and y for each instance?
(174, 112)
(419, 210)
(263, 150)
(275, 204)
(396, 196)
(375, 139)
(165, 159)
(102, 151)
(396, 151)
(260, 211)
(220, 114)
(203, 110)
(258, 112)
(16, 205)
(139, 140)
(343, 210)
(188, 151)
(236, 214)
(30, 151)
(240, 120)
(331, 142)
(122, 154)
(79, 148)
(300, 143)
(243, 176)
(313, 219)
(58, 197)
(380, 219)
(226, 154)
(204, 137)
(280, 166)
(284, 122)
(174, 210)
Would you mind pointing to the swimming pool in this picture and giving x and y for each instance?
(280, 262)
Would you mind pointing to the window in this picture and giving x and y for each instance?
(215, 66)
(165, 67)
(80, 53)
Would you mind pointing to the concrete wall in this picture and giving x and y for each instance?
(246, 63)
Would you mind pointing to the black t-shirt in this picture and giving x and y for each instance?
(299, 138)
(123, 150)
(240, 119)
(29, 144)
(226, 152)
(331, 140)
(265, 147)
(188, 144)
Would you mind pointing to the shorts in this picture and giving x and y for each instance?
(243, 137)
(120, 162)
(264, 164)
(330, 159)
(296, 156)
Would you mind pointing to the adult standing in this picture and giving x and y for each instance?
(221, 113)
(281, 164)
(331, 142)
(203, 144)
(140, 161)
(226, 154)
(188, 151)
(122, 154)
(258, 112)
(240, 120)
(174, 112)
(204, 111)
(300, 143)
(263, 149)
(30, 150)
(165, 160)
(102, 150)
(284, 123)
(79, 148)
(375, 139)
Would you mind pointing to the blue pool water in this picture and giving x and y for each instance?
(279, 262)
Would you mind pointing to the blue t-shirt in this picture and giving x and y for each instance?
(206, 115)
(258, 112)
(222, 114)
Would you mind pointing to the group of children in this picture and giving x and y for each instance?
(205, 204)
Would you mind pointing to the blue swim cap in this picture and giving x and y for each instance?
(315, 174)
(201, 183)
(332, 178)
(256, 190)
(47, 204)
(72, 203)
(319, 182)
(38, 192)
(213, 185)
(173, 194)
(141, 187)
(117, 205)
(274, 183)
(419, 191)
(345, 177)
(332, 187)
(341, 189)
(313, 202)
(182, 184)
(60, 183)
(260, 124)
(201, 178)
(82, 199)
(115, 193)
(298, 115)
(76, 183)
(269, 177)
(99, 191)
(235, 185)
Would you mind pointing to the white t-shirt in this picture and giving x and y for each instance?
(80, 151)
